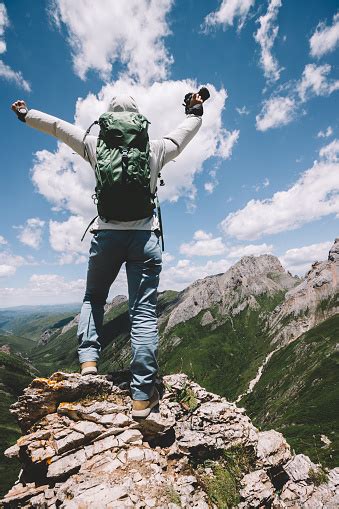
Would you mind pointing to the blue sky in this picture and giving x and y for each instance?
(262, 176)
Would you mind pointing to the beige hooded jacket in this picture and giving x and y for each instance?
(161, 151)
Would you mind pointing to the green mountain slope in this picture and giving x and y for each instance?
(15, 374)
(225, 359)
(31, 322)
(17, 344)
(298, 393)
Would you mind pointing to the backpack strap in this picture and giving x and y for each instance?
(160, 222)
(85, 136)
(90, 224)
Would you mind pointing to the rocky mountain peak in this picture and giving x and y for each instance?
(313, 300)
(234, 290)
(81, 449)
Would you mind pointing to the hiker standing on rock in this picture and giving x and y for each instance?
(126, 167)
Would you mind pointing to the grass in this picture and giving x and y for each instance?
(187, 399)
(223, 485)
(318, 476)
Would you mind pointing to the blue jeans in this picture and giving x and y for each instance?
(141, 251)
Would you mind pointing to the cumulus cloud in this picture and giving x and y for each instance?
(8, 74)
(203, 244)
(228, 12)
(4, 23)
(30, 233)
(185, 272)
(331, 151)
(313, 196)
(299, 260)
(325, 38)
(9, 263)
(3, 241)
(314, 81)
(43, 289)
(131, 33)
(53, 289)
(248, 250)
(276, 112)
(6, 71)
(65, 237)
(325, 134)
(265, 37)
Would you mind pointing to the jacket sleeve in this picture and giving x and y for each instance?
(63, 131)
(176, 140)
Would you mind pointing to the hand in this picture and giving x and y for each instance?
(195, 99)
(20, 108)
(17, 105)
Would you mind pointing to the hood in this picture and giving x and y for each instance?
(123, 103)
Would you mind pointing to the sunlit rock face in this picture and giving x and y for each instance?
(82, 449)
(315, 299)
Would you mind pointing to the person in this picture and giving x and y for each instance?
(135, 243)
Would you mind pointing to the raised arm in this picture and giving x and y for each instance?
(63, 131)
(178, 138)
(173, 143)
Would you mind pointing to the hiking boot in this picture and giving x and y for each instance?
(89, 368)
(142, 408)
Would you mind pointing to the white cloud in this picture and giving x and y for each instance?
(314, 81)
(203, 244)
(43, 289)
(265, 37)
(331, 151)
(53, 289)
(6, 71)
(130, 32)
(3, 241)
(7, 270)
(228, 12)
(325, 38)
(31, 233)
(325, 134)
(314, 195)
(251, 249)
(4, 22)
(72, 258)
(209, 186)
(68, 182)
(167, 258)
(242, 111)
(266, 182)
(276, 112)
(65, 236)
(281, 110)
(9, 263)
(186, 272)
(8, 74)
(299, 260)
(226, 143)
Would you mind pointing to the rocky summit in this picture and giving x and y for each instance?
(81, 449)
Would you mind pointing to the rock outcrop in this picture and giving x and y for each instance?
(82, 449)
(312, 301)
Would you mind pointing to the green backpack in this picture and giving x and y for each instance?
(122, 171)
